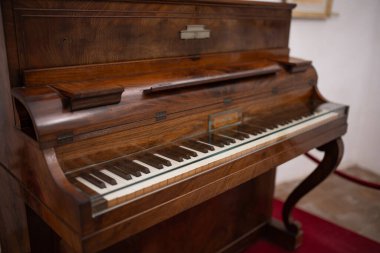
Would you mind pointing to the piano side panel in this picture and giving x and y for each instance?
(13, 223)
(6, 108)
(14, 236)
(25, 176)
(103, 32)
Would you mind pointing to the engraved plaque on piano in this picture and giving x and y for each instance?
(224, 119)
(195, 32)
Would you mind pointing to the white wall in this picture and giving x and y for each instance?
(346, 53)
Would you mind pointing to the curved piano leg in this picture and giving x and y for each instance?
(332, 157)
(289, 234)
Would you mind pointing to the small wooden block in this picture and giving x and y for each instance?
(292, 64)
(88, 95)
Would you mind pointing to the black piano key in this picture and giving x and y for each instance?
(212, 142)
(268, 123)
(225, 140)
(120, 173)
(298, 116)
(236, 135)
(209, 147)
(285, 122)
(182, 153)
(211, 139)
(251, 129)
(170, 154)
(93, 180)
(104, 177)
(138, 167)
(126, 167)
(272, 126)
(197, 146)
(159, 159)
(150, 162)
(84, 188)
(187, 153)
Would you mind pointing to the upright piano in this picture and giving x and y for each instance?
(153, 126)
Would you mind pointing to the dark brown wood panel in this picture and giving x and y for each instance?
(6, 109)
(228, 216)
(14, 236)
(123, 33)
(48, 76)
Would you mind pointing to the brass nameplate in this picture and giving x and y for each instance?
(195, 32)
(224, 119)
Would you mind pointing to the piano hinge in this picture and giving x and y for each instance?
(65, 138)
(275, 90)
(160, 115)
(227, 101)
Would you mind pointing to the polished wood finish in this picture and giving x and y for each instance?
(83, 96)
(292, 64)
(102, 36)
(213, 75)
(62, 109)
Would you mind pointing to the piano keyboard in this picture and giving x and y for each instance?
(132, 176)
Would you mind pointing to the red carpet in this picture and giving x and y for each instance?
(320, 236)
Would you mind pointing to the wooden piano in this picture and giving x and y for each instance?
(153, 126)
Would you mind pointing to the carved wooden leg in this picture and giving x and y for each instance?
(14, 236)
(289, 234)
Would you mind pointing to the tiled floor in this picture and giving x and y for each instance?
(344, 203)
